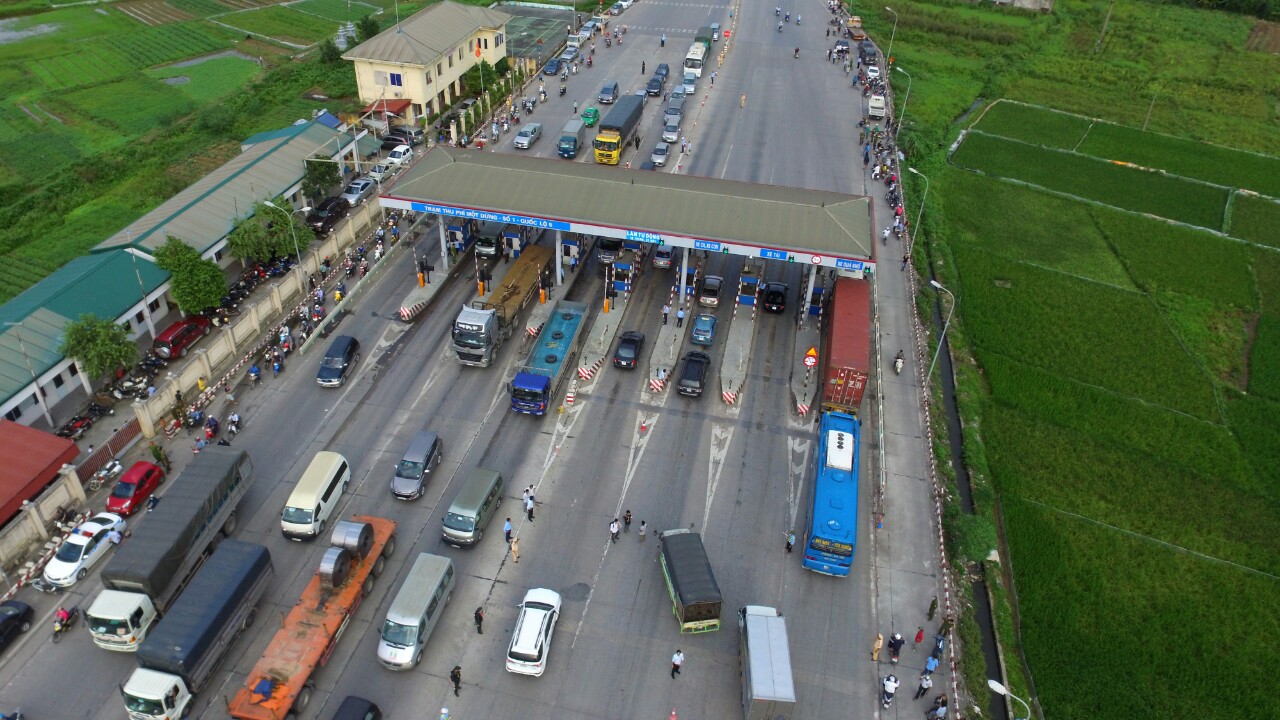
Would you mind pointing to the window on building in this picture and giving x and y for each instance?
(486, 43)
(451, 59)
(58, 381)
(459, 53)
(138, 318)
(428, 75)
(13, 415)
(75, 370)
(439, 69)
(497, 40)
(217, 256)
(154, 305)
(397, 80)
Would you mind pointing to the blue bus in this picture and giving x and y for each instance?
(833, 523)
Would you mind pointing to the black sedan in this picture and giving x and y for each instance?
(15, 619)
(552, 67)
(628, 352)
(663, 71)
(774, 297)
(654, 87)
(327, 214)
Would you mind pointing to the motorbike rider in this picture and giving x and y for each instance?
(797, 52)
(779, 27)
(61, 616)
(797, 19)
(233, 422)
(777, 10)
(895, 646)
(890, 687)
(255, 373)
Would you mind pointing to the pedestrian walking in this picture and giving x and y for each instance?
(644, 528)
(662, 375)
(919, 638)
(666, 310)
(524, 496)
(515, 549)
(742, 101)
(905, 259)
(626, 521)
(575, 107)
(613, 530)
(666, 95)
(930, 665)
(713, 78)
(663, 41)
(828, 54)
(506, 529)
(528, 508)
(926, 682)
(680, 317)
(875, 648)
(479, 618)
(676, 661)
(455, 677)
(791, 539)
(642, 67)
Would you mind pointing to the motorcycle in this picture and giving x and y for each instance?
(75, 427)
(109, 472)
(211, 428)
(15, 715)
(897, 363)
(233, 424)
(777, 12)
(195, 418)
(797, 53)
(563, 88)
(895, 647)
(255, 374)
(60, 627)
(890, 687)
(779, 27)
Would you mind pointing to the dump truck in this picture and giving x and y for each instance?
(695, 596)
(846, 351)
(280, 685)
(550, 360)
(617, 129)
(149, 572)
(482, 327)
(856, 32)
(180, 655)
(764, 656)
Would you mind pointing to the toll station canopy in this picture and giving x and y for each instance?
(768, 221)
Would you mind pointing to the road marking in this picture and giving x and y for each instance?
(721, 436)
(724, 169)
(797, 462)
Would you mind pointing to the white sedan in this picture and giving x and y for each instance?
(86, 545)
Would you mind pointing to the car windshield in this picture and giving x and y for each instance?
(626, 350)
(606, 145)
(331, 361)
(526, 394)
(143, 706)
(396, 634)
(454, 521)
(468, 338)
(660, 150)
(297, 516)
(70, 552)
(124, 490)
(409, 469)
(105, 626)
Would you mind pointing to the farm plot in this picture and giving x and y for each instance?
(120, 54)
(1091, 333)
(335, 10)
(1256, 219)
(1124, 187)
(282, 23)
(212, 79)
(1035, 125)
(132, 105)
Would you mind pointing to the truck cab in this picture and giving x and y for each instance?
(151, 695)
(119, 620)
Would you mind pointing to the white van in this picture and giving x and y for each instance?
(315, 496)
(414, 613)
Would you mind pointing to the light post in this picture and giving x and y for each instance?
(903, 115)
(943, 336)
(1002, 690)
(293, 231)
(920, 212)
(44, 407)
(892, 35)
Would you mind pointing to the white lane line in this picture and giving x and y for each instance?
(721, 436)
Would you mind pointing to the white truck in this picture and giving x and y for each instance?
(768, 689)
(148, 572)
(876, 107)
(484, 325)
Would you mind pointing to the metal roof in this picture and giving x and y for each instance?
(203, 213)
(802, 221)
(424, 36)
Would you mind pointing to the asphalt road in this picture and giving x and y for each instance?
(739, 474)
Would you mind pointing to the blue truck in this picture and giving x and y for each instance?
(550, 360)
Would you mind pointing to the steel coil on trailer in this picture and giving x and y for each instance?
(335, 567)
(353, 536)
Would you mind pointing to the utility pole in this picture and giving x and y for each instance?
(1097, 47)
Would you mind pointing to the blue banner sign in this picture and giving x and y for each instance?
(854, 265)
(484, 216)
(768, 254)
(706, 245)
(644, 236)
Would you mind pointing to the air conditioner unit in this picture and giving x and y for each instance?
(397, 94)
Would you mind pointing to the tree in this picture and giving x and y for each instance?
(321, 175)
(367, 27)
(97, 345)
(197, 284)
(266, 235)
(329, 52)
(480, 77)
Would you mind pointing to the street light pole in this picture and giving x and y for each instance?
(44, 407)
(293, 231)
(892, 35)
(903, 115)
(920, 212)
(1002, 690)
(943, 336)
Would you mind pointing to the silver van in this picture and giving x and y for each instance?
(473, 508)
(414, 612)
(315, 497)
(414, 469)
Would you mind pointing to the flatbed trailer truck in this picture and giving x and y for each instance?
(483, 326)
(280, 685)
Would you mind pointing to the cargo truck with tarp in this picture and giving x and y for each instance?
(695, 595)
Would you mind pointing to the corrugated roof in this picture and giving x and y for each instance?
(804, 221)
(205, 212)
(38, 339)
(31, 459)
(105, 284)
(424, 36)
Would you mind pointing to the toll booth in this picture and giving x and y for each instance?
(515, 238)
(816, 297)
(572, 252)
(626, 267)
(749, 285)
(460, 234)
(690, 281)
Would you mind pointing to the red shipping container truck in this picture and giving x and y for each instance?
(846, 346)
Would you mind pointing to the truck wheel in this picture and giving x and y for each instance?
(390, 547)
(378, 565)
(367, 587)
(248, 619)
(230, 526)
(304, 698)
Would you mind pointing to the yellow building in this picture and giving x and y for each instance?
(415, 67)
